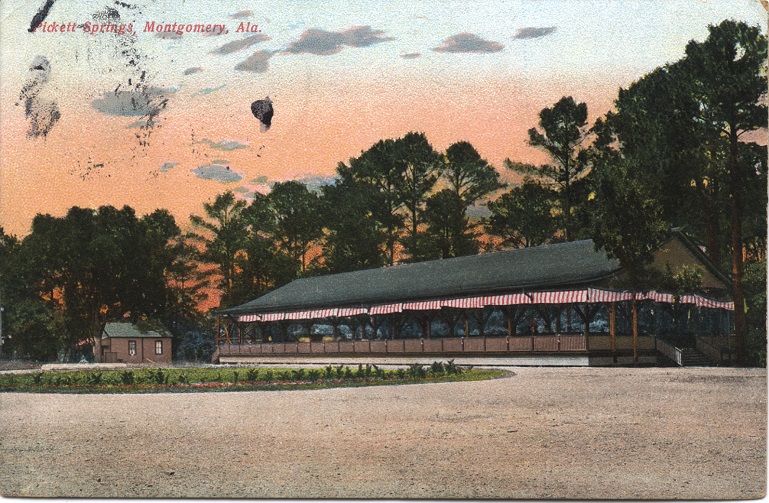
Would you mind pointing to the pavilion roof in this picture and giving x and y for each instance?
(552, 266)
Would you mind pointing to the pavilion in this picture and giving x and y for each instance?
(561, 299)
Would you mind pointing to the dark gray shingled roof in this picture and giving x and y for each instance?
(129, 330)
(561, 265)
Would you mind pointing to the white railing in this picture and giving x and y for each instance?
(453, 345)
(670, 351)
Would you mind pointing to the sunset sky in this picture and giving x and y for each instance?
(341, 75)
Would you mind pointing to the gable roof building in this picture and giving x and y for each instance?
(125, 342)
(557, 298)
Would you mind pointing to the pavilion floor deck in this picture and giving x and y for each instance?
(596, 348)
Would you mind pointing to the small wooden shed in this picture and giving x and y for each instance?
(125, 342)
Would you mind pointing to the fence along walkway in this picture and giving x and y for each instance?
(453, 345)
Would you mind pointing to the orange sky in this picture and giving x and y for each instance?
(53, 173)
(333, 97)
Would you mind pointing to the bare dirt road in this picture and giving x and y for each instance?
(543, 433)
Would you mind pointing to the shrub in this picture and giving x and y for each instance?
(37, 378)
(157, 376)
(340, 372)
(252, 375)
(93, 378)
(329, 372)
(437, 368)
(235, 376)
(269, 375)
(313, 375)
(298, 374)
(182, 378)
(452, 368)
(417, 371)
(126, 377)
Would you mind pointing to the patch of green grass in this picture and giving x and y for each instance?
(233, 379)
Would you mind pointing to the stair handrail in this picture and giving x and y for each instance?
(671, 351)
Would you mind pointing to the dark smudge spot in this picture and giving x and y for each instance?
(262, 110)
(41, 15)
(41, 113)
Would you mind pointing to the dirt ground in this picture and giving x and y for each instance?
(572, 433)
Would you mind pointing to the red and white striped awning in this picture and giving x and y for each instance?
(351, 311)
(559, 297)
(595, 295)
(324, 313)
(667, 298)
(428, 305)
(386, 309)
(507, 299)
(715, 304)
(466, 303)
(311, 314)
(273, 316)
(591, 295)
(707, 303)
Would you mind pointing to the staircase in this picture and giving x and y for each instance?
(690, 357)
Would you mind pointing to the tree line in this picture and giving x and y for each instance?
(676, 151)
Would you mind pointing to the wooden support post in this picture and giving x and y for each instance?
(635, 330)
(216, 336)
(613, 331)
(467, 325)
(558, 319)
(509, 316)
(481, 323)
(587, 329)
(451, 319)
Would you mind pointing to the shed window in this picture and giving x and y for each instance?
(132, 348)
(158, 347)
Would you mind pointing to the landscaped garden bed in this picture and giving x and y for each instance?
(236, 379)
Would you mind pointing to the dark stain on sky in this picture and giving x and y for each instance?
(262, 110)
(41, 15)
(42, 113)
(123, 4)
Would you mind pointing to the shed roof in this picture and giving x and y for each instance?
(132, 331)
(570, 264)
